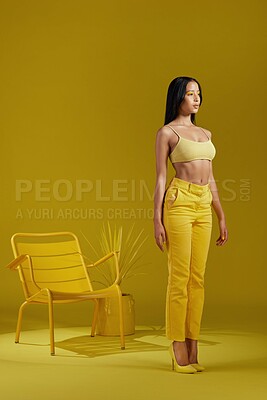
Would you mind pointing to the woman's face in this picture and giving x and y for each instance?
(191, 101)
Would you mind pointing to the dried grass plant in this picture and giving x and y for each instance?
(129, 244)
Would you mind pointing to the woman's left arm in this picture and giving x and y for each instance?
(216, 204)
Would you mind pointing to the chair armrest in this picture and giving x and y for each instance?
(105, 258)
(15, 263)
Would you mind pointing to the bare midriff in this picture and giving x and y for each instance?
(195, 171)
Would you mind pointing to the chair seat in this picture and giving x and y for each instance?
(62, 297)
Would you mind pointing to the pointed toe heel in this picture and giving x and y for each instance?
(198, 367)
(184, 369)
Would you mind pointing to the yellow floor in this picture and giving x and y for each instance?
(96, 368)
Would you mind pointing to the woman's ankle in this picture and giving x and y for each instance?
(181, 353)
(192, 350)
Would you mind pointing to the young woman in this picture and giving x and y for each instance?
(183, 217)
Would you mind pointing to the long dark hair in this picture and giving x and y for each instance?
(175, 96)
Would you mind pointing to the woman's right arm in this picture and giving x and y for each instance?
(162, 151)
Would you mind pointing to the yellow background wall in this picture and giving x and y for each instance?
(83, 91)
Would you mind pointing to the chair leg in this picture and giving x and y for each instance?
(51, 325)
(96, 308)
(18, 329)
(121, 320)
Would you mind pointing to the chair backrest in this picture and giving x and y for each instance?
(57, 262)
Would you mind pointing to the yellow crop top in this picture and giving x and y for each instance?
(189, 150)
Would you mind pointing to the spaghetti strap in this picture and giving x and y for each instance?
(205, 133)
(169, 126)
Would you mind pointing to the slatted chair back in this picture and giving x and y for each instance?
(55, 262)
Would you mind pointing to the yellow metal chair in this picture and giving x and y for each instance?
(52, 271)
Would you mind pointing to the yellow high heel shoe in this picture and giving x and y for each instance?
(185, 369)
(198, 367)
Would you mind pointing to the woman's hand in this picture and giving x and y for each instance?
(222, 239)
(160, 235)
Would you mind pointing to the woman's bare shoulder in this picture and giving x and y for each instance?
(164, 131)
(207, 132)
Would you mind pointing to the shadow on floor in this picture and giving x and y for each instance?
(141, 341)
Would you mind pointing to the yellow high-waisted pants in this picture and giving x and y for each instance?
(187, 220)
